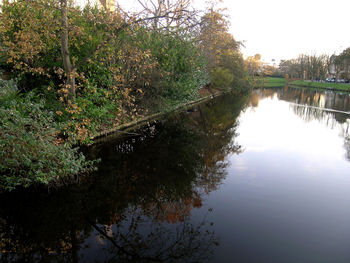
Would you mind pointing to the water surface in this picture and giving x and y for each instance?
(261, 178)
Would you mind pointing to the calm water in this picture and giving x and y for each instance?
(263, 178)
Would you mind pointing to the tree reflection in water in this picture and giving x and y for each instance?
(138, 206)
(129, 241)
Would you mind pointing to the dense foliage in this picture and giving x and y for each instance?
(30, 146)
(81, 70)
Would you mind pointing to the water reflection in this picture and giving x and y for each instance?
(141, 239)
(327, 107)
(316, 103)
(286, 198)
(138, 207)
(258, 179)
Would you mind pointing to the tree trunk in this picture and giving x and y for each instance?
(68, 68)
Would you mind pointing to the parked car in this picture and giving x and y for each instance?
(341, 81)
(330, 79)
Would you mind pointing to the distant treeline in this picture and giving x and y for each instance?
(310, 67)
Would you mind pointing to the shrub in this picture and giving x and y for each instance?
(180, 71)
(30, 150)
(221, 78)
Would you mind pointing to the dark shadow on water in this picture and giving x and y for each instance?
(137, 207)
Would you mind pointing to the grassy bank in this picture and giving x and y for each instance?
(321, 85)
(270, 82)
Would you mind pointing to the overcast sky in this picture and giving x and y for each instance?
(282, 29)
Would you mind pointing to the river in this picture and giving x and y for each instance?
(259, 178)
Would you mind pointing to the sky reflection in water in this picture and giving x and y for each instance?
(286, 198)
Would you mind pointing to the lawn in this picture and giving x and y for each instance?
(270, 82)
(322, 85)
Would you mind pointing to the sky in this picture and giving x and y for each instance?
(283, 29)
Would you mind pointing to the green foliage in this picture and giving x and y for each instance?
(233, 61)
(183, 67)
(221, 78)
(180, 70)
(31, 151)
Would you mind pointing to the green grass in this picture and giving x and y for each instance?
(270, 82)
(321, 85)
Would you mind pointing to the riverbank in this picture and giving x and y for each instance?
(38, 149)
(271, 82)
(133, 125)
(321, 85)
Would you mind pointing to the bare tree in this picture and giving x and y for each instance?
(170, 14)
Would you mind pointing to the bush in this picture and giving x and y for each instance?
(221, 78)
(180, 70)
(30, 150)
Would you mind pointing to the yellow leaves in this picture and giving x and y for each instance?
(58, 141)
(64, 91)
(74, 60)
(119, 78)
(17, 66)
(82, 130)
(59, 71)
(73, 108)
(59, 113)
(39, 70)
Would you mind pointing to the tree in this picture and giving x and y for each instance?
(214, 38)
(344, 63)
(269, 70)
(220, 48)
(253, 65)
(306, 67)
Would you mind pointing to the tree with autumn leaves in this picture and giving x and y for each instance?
(222, 51)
